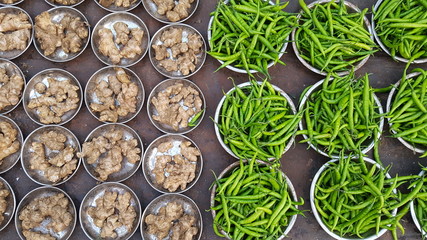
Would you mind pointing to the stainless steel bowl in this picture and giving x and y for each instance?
(187, 29)
(86, 222)
(56, 15)
(414, 215)
(127, 169)
(228, 170)
(16, 53)
(241, 70)
(46, 192)
(59, 75)
(12, 68)
(317, 214)
(107, 22)
(10, 205)
(150, 160)
(152, 110)
(36, 175)
(15, 3)
(11, 160)
(304, 99)
(218, 112)
(102, 75)
(390, 99)
(316, 70)
(151, 8)
(114, 8)
(384, 47)
(189, 206)
(54, 4)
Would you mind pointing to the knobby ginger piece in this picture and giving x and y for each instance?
(9, 143)
(117, 3)
(173, 11)
(112, 211)
(15, 31)
(8, 1)
(4, 194)
(65, 2)
(11, 87)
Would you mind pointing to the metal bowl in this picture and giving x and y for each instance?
(304, 99)
(54, 4)
(127, 169)
(12, 68)
(59, 75)
(317, 215)
(228, 170)
(218, 112)
(189, 206)
(187, 29)
(107, 22)
(11, 160)
(151, 8)
(384, 47)
(86, 222)
(10, 205)
(56, 15)
(36, 175)
(152, 110)
(150, 160)
(414, 147)
(241, 70)
(46, 192)
(316, 70)
(114, 8)
(16, 53)
(414, 215)
(15, 3)
(102, 75)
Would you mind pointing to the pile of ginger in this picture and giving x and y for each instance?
(125, 42)
(174, 12)
(4, 195)
(15, 31)
(117, 3)
(11, 87)
(65, 2)
(69, 34)
(9, 143)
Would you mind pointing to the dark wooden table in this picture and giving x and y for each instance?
(299, 163)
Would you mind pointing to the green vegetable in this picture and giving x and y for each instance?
(331, 38)
(195, 119)
(249, 34)
(257, 120)
(402, 28)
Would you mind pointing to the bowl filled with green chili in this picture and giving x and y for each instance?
(341, 115)
(332, 36)
(252, 199)
(256, 119)
(400, 29)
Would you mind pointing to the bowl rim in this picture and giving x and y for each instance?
(64, 72)
(145, 158)
(23, 88)
(191, 201)
(316, 70)
(149, 113)
(30, 40)
(383, 47)
(218, 111)
(95, 29)
(113, 11)
(9, 187)
(302, 103)
(414, 215)
(241, 70)
(316, 213)
(169, 22)
(38, 130)
(60, 5)
(20, 139)
(138, 139)
(291, 189)
(390, 101)
(40, 189)
(105, 68)
(114, 184)
(84, 19)
(178, 25)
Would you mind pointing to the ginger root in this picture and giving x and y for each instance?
(117, 3)
(11, 87)
(4, 194)
(173, 11)
(15, 31)
(65, 2)
(9, 143)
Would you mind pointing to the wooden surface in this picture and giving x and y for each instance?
(299, 163)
